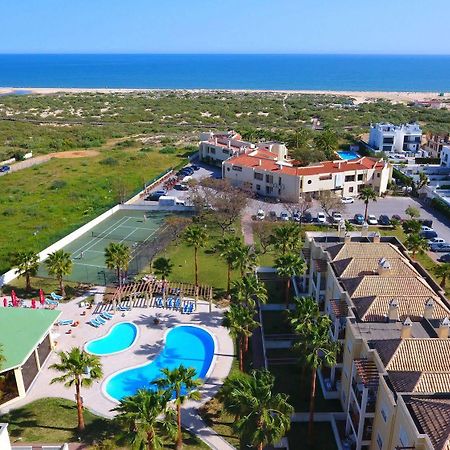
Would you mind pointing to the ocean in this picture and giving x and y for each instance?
(271, 72)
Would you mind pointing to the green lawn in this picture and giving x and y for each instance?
(54, 420)
(323, 437)
(40, 205)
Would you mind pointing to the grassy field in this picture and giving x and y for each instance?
(54, 420)
(40, 205)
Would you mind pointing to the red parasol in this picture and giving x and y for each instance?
(5, 302)
(33, 303)
(41, 296)
(15, 300)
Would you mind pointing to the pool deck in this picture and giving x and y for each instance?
(147, 345)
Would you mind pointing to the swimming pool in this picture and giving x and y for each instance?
(347, 155)
(119, 338)
(189, 345)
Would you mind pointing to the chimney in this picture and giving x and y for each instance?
(384, 266)
(229, 143)
(406, 329)
(347, 238)
(428, 312)
(280, 153)
(259, 163)
(393, 314)
(376, 238)
(443, 329)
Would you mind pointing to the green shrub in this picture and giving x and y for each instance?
(58, 184)
(147, 149)
(168, 150)
(441, 206)
(110, 161)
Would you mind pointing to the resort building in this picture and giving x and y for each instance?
(435, 143)
(393, 373)
(268, 174)
(395, 138)
(445, 156)
(26, 344)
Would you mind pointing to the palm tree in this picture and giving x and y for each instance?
(195, 236)
(306, 311)
(327, 142)
(245, 258)
(117, 257)
(287, 266)
(319, 349)
(264, 417)
(80, 369)
(235, 381)
(227, 251)
(27, 263)
(366, 195)
(162, 267)
(416, 244)
(59, 263)
(248, 290)
(143, 415)
(182, 385)
(240, 322)
(442, 271)
(287, 238)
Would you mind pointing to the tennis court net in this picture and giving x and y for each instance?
(133, 237)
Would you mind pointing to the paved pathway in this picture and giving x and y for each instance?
(247, 228)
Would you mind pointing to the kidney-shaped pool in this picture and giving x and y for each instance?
(120, 337)
(185, 344)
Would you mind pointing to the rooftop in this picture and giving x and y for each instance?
(21, 329)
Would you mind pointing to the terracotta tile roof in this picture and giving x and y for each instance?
(324, 167)
(375, 308)
(360, 266)
(422, 355)
(364, 250)
(367, 372)
(423, 382)
(375, 285)
(320, 265)
(432, 417)
(339, 308)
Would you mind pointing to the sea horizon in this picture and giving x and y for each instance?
(225, 71)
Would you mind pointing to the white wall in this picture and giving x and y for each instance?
(4, 438)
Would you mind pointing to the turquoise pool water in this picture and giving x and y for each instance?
(185, 344)
(120, 337)
(346, 155)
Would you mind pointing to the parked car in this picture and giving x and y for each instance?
(296, 216)
(337, 217)
(321, 217)
(425, 228)
(358, 219)
(443, 247)
(372, 220)
(5, 169)
(445, 258)
(384, 220)
(260, 215)
(428, 234)
(307, 217)
(426, 222)
(396, 217)
(284, 216)
(195, 167)
(436, 240)
(347, 200)
(273, 215)
(181, 187)
(154, 196)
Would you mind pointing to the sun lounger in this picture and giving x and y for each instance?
(177, 303)
(94, 323)
(101, 320)
(123, 308)
(65, 322)
(56, 296)
(169, 303)
(49, 301)
(107, 315)
(159, 302)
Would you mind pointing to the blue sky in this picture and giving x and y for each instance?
(225, 26)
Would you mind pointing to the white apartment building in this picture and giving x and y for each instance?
(269, 174)
(445, 156)
(392, 138)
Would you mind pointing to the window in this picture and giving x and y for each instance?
(258, 187)
(237, 168)
(360, 177)
(225, 151)
(379, 442)
(258, 176)
(212, 150)
(309, 181)
(388, 140)
(383, 412)
(350, 189)
(269, 178)
(349, 178)
(403, 437)
(269, 189)
(228, 169)
(378, 174)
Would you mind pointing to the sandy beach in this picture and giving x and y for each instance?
(359, 96)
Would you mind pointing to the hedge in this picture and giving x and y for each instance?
(441, 206)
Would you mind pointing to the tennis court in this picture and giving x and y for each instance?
(142, 231)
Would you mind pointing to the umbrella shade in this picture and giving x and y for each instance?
(33, 303)
(5, 302)
(41, 296)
